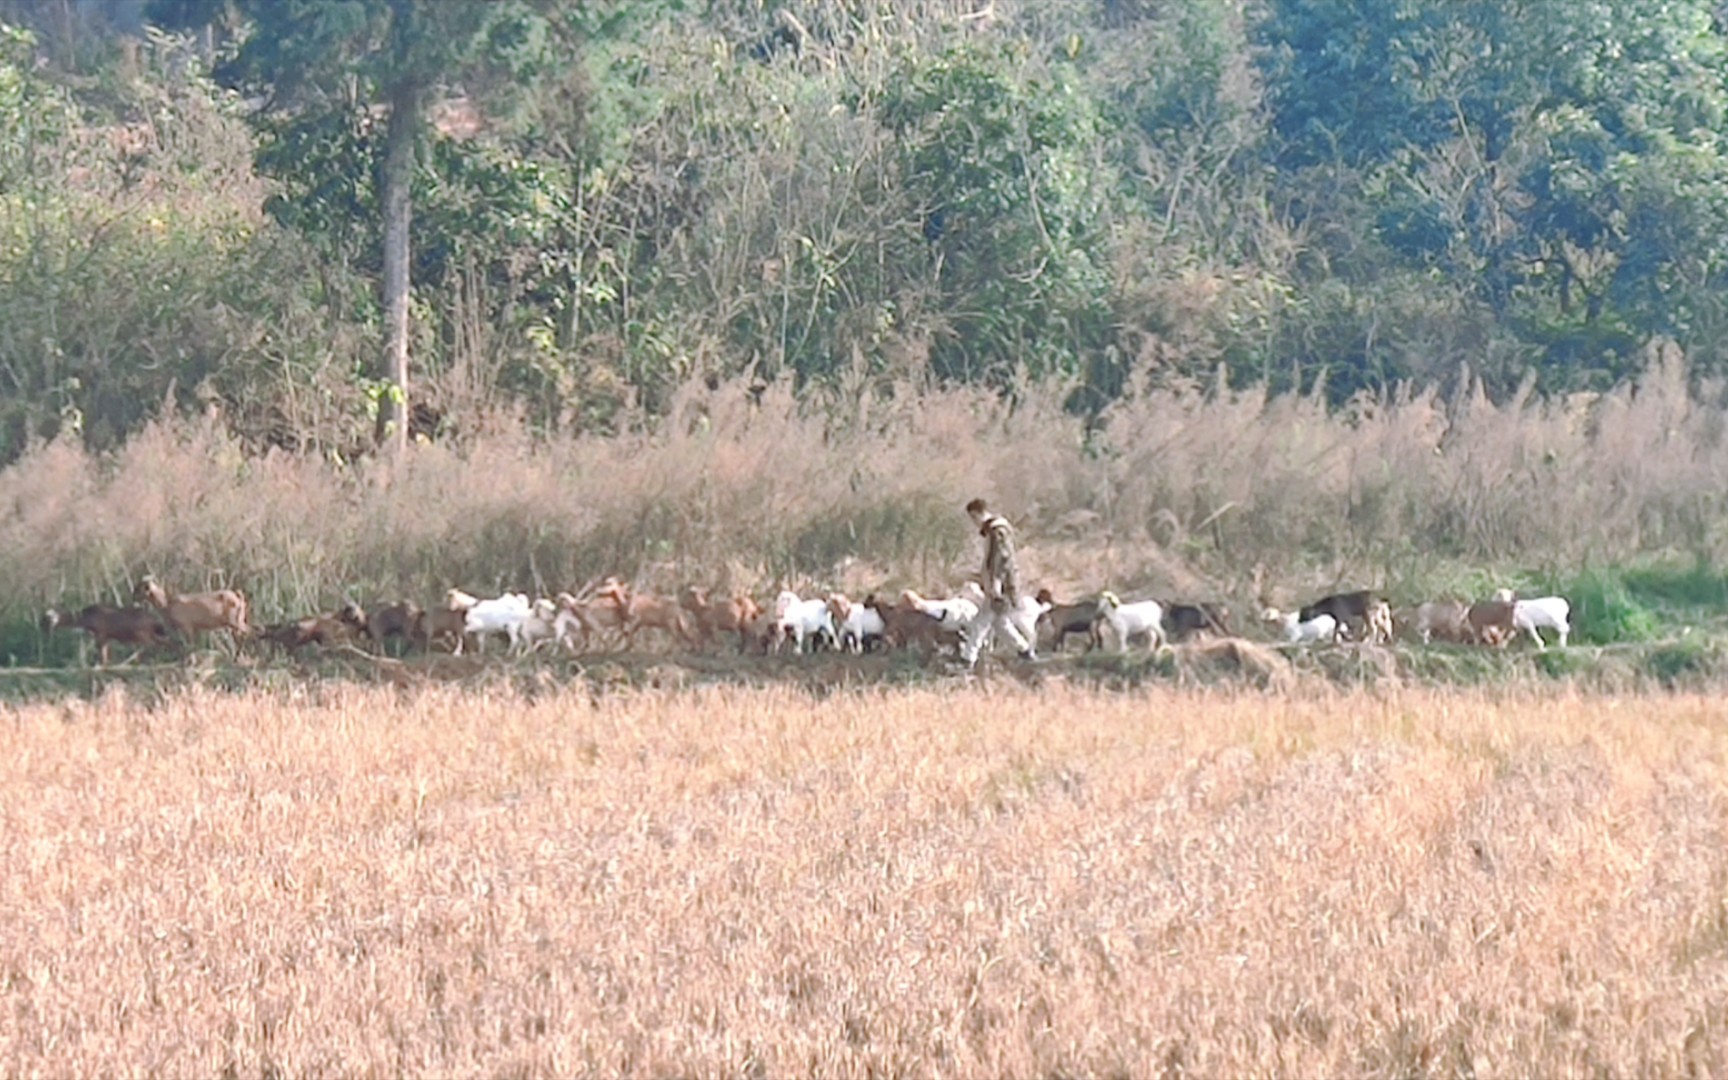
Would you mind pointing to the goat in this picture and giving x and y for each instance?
(1141, 618)
(734, 616)
(575, 617)
(805, 621)
(106, 625)
(766, 633)
(977, 635)
(540, 626)
(324, 630)
(604, 614)
(639, 612)
(447, 625)
(193, 613)
(392, 620)
(1183, 621)
(525, 623)
(955, 613)
(1552, 612)
(860, 626)
(1447, 620)
(498, 615)
(1490, 622)
(1348, 609)
(1064, 619)
(904, 626)
(1546, 612)
(1295, 631)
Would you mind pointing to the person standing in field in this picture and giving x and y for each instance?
(1001, 581)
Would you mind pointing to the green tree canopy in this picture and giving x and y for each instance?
(325, 68)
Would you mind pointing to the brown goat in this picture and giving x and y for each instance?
(106, 625)
(445, 625)
(1084, 617)
(733, 616)
(323, 630)
(643, 612)
(585, 617)
(392, 620)
(906, 626)
(196, 613)
(1490, 622)
(606, 612)
(1440, 620)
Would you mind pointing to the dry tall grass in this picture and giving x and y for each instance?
(990, 882)
(1188, 492)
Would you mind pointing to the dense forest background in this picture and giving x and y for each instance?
(613, 200)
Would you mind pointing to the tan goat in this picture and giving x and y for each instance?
(733, 616)
(196, 613)
(642, 612)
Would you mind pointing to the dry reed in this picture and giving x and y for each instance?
(1185, 492)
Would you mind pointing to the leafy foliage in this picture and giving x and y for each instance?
(1557, 159)
(612, 198)
(996, 158)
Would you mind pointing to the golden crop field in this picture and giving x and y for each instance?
(978, 879)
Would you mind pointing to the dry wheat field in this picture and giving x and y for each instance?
(975, 879)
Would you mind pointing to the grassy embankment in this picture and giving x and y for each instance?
(1615, 502)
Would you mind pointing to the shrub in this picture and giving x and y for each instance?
(1604, 610)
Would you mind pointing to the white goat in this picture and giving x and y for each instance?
(540, 626)
(502, 615)
(1144, 617)
(804, 620)
(978, 633)
(954, 613)
(1545, 612)
(858, 625)
(457, 600)
(1321, 628)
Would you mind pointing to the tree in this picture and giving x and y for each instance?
(311, 60)
(1559, 157)
(1001, 159)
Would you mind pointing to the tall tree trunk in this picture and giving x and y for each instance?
(398, 214)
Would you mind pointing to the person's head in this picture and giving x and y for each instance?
(976, 509)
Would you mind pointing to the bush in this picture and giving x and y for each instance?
(1604, 610)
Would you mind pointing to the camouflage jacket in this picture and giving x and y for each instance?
(1001, 575)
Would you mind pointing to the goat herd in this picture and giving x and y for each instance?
(612, 613)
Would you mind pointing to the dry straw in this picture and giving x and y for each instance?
(996, 882)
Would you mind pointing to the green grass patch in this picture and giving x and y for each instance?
(1648, 602)
(1606, 610)
(1563, 663)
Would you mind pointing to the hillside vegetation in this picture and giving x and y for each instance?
(1101, 192)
